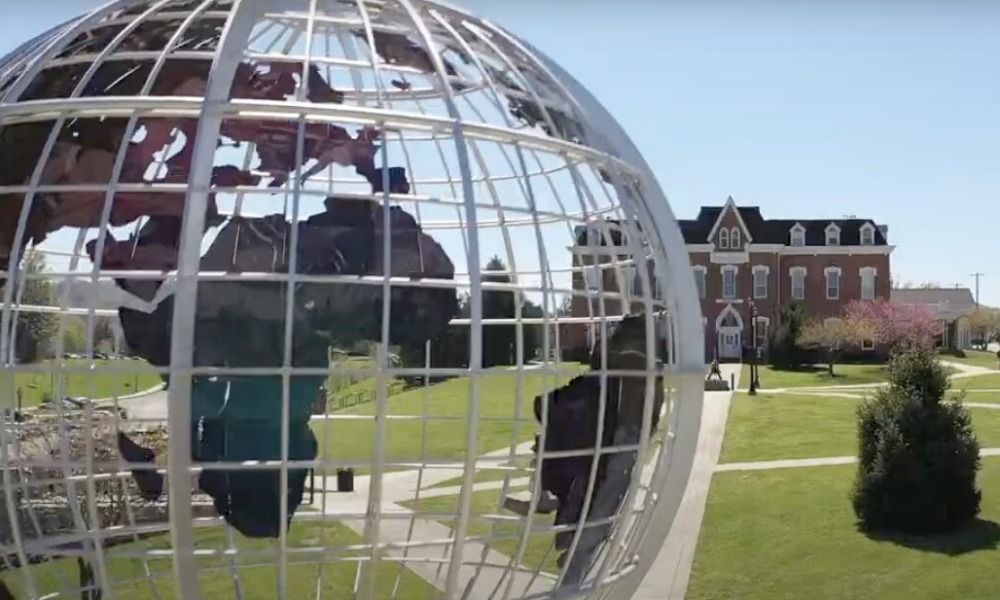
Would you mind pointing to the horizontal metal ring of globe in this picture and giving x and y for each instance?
(329, 299)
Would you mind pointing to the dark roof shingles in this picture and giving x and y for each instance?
(776, 231)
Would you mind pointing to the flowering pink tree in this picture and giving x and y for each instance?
(895, 325)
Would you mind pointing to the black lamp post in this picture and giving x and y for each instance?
(753, 352)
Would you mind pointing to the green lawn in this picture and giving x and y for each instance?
(788, 426)
(99, 384)
(257, 574)
(983, 396)
(789, 534)
(538, 553)
(446, 406)
(816, 376)
(979, 382)
(978, 358)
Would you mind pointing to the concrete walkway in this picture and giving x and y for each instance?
(431, 550)
(400, 527)
(669, 574)
(965, 370)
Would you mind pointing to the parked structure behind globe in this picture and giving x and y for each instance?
(242, 186)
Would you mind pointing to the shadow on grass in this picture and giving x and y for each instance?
(803, 369)
(820, 369)
(978, 535)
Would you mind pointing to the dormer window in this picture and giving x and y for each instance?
(798, 235)
(724, 238)
(867, 234)
(832, 235)
(734, 239)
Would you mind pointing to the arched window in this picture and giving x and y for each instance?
(735, 239)
(724, 238)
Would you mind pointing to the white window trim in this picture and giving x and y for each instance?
(595, 232)
(589, 279)
(766, 270)
(867, 344)
(831, 230)
(797, 232)
(724, 238)
(870, 229)
(735, 271)
(792, 273)
(767, 329)
(871, 272)
(826, 283)
(734, 239)
(629, 277)
(703, 275)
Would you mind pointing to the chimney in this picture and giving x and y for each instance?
(884, 230)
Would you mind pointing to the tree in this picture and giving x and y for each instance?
(895, 325)
(35, 330)
(832, 337)
(532, 332)
(498, 340)
(783, 349)
(918, 454)
(75, 335)
(451, 350)
(917, 285)
(104, 335)
(448, 351)
(984, 323)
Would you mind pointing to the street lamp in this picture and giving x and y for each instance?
(753, 353)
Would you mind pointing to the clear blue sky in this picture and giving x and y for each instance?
(807, 109)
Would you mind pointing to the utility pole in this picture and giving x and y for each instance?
(977, 277)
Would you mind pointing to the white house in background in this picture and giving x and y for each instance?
(950, 305)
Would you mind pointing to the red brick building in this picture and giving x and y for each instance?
(737, 256)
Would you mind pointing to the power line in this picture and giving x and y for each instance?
(977, 275)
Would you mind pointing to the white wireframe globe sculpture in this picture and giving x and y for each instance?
(407, 314)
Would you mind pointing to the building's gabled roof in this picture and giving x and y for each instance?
(948, 303)
(776, 231)
(730, 206)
